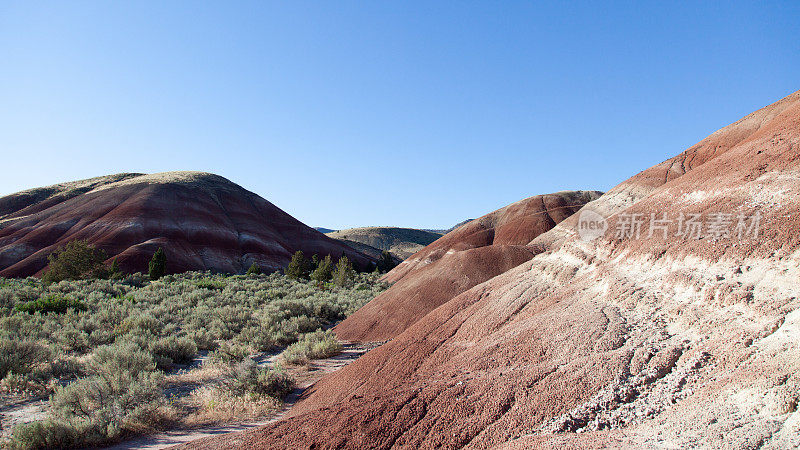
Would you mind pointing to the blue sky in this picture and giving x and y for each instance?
(415, 114)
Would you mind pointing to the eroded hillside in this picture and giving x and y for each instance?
(628, 340)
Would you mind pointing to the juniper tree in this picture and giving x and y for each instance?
(386, 262)
(75, 260)
(298, 267)
(344, 272)
(254, 269)
(158, 265)
(324, 270)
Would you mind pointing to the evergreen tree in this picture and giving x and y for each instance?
(75, 260)
(344, 273)
(114, 272)
(158, 265)
(298, 267)
(386, 262)
(254, 269)
(324, 270)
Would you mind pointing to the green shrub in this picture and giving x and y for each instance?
(21, 356)
(71, 339)
(110, 351)
(115, 273)
(75, 260)
(51, 303)
(67, 368)
(158, 265)
(202, 339)
(229, 353)
(109, 361)
(176, 350)
(141, 323)
(316, 345)
(6, 298)
(254, 270)
(260, 338)
(206, 283)
(122, 395)
(44, 434)
(248, 378)
(103, 408)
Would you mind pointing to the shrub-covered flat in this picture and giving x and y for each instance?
(115, 357)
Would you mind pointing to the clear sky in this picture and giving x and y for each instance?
(404, 113)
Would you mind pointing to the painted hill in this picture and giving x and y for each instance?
(401, 242)
(473, 253)
(203, 222)
(618, 342)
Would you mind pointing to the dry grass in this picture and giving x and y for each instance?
(212, 405)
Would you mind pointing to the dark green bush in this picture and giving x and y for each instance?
(254, 270)
(115, 273)
(299, 266)
(51, 303)
(386, 262)
(74, 261)
(324, 270)
(158, 265)
(206, 283)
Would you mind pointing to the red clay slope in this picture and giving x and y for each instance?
(465, 257)
(203, 222)
(635, 343)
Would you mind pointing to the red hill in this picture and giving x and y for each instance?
(615, 342)
(467, 256)
(203, 222)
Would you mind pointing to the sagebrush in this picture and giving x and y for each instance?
(100, 348)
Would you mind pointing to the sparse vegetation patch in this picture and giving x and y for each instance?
(107, 353)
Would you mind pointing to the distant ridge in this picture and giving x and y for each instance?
(401, 242)
(324, 230)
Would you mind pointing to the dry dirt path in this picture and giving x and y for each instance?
(305, 379)
(14, 412)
